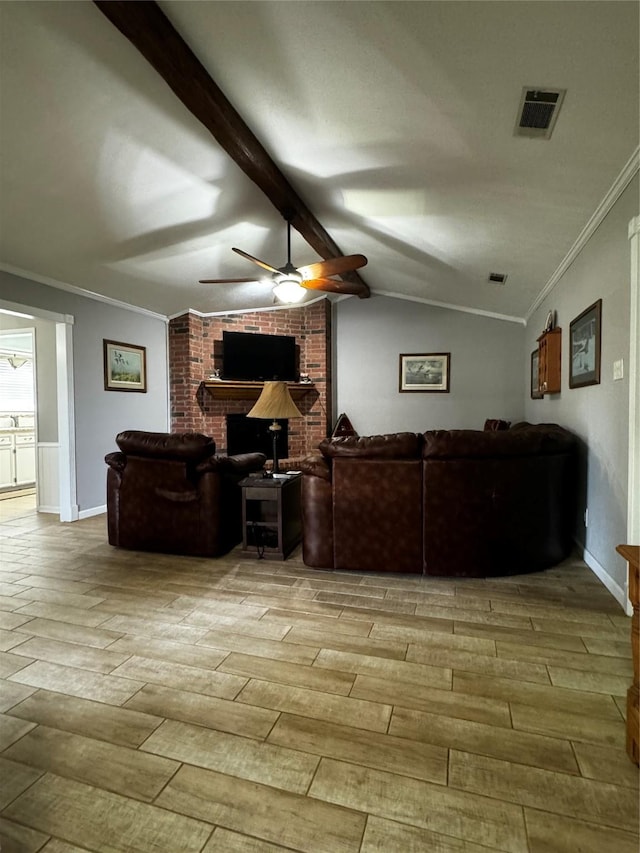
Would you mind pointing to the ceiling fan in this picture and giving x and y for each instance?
(291, 283)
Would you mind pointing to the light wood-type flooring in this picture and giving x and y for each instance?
(174, 705)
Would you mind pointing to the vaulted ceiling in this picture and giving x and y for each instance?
(391, 122)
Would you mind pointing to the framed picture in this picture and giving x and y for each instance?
(125, 367)
(536, 393)
(584, 340)
(425, 372)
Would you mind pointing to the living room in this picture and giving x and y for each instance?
(366, 377)
(425, 300)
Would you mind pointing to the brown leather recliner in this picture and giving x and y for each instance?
(168, 492)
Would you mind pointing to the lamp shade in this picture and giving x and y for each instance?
(275, 402)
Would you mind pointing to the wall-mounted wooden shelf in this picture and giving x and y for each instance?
(549, 361)
(221, 389)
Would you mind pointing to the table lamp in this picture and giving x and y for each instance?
(275, 402)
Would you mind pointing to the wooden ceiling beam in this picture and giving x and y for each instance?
(154, 36)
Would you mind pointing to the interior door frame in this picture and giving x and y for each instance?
(31, 331)
(633, 503)
(67, 487)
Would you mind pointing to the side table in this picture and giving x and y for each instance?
(271, 516)
(631, 554)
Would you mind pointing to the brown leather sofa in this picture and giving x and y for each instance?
(168, 492)
(464, 503)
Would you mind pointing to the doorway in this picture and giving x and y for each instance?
(18, 413)
(55, 473)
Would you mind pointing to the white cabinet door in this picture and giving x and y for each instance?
(25, 459)
(6, 461)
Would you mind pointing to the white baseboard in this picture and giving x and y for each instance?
(601, 573)
(89, 513)
(69, 514)
(52, 509)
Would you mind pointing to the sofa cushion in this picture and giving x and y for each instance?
(529, 440)
(377, 514)
(398, 445)
(180, 447)
(499, 515)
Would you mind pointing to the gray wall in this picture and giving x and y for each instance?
(45, 345)
(486, 359)
(598, 414)
(100, 414)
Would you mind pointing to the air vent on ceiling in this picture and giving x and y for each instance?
(538, 112)
(497, 277)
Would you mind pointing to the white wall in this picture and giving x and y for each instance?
(598, 414)
(100, 414)
(486, 359)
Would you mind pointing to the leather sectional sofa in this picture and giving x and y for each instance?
(465, 503)
(168, 492)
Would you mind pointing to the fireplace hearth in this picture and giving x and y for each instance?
(251, 435)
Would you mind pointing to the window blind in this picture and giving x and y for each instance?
(16, 388)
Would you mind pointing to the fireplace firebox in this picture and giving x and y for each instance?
(252, 435)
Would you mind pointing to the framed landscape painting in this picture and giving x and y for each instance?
(584, 341)
(425, 372)
(125, 367)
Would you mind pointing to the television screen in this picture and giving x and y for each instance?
(255, 357)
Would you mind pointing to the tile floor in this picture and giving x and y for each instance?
(160, 704)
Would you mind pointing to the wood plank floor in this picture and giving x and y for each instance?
(166, 704)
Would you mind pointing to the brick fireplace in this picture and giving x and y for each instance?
(195, 351)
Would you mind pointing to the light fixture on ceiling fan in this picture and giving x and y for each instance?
(291, 283)
(289, 290)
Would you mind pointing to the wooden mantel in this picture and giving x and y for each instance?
(222, 389)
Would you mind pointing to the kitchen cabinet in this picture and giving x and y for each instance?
(17, 458)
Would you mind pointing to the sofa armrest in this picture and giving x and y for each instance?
(239, 465)
(317, 466)
(317, 513)
(116, 460)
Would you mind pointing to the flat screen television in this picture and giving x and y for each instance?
(258, 358)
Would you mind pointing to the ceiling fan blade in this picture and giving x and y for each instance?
(334, 266)
(332, 285)
(226, 280)
(263, 264)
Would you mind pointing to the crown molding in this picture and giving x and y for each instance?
(628, 172)
(80, 291)
(507, 318)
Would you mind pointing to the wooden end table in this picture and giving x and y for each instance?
(271, 516)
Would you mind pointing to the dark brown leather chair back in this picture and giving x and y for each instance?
(167, 492)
